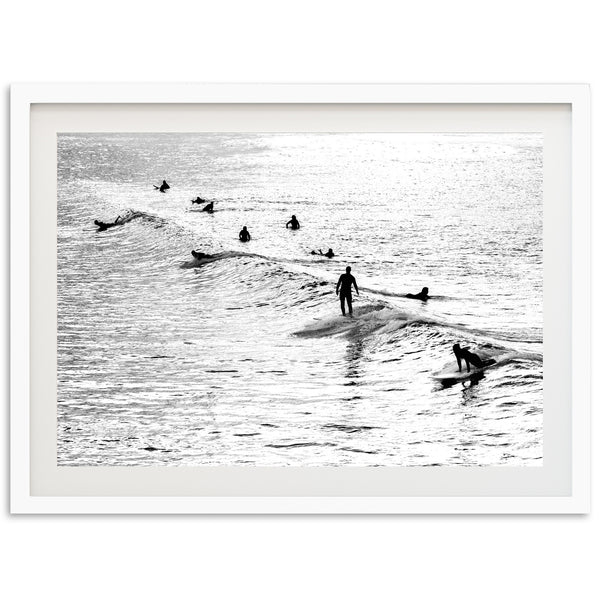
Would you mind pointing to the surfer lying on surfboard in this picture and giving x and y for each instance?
(328, 254)
(199, 255)
(422, 295)
(470, 358)
(102, 226)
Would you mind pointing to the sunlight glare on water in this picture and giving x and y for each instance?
(246, 359)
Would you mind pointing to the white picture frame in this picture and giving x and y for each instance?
(467, 100)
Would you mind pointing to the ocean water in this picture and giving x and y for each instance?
(245, 358)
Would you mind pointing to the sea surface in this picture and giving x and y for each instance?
(245, 358)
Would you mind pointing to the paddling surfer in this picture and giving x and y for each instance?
(345, 282)
(102, 226)
(200, 255)
(422, 295)
(328, 254)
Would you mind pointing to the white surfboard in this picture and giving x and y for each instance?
(451, 373)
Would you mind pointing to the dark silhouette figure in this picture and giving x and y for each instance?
(345, 282)
(104, 226)
(328, 254)
(210, 207)
(470, 358)
(244, 235)
(196, 254)
(422, 295)
(293, 222)
(163, 186)
(198, 200)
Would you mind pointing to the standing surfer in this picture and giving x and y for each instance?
(345, 282)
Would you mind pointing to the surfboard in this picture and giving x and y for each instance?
(451, 373)
(198, 262)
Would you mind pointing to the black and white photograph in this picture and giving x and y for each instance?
(300, 299)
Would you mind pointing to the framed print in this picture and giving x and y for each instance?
(300, 299)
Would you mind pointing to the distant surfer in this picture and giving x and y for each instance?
(104, 226)
(328, 254)
(345, 282)
(210, 207)
(245, 235)
(293, 222)
(422, 295)
(198, 200)
(470, 358)
(163, 186)
(200, 255)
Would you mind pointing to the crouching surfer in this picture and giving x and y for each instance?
(470, 358)
(209, 208)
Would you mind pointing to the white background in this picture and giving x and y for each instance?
(296, 557)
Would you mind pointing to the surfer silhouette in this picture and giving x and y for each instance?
(210, 207)
(104, 226)
(293, 222)
(198, 200)
(197, 254)
(244, 235)
(163, 186)
(422, 295)
(344, 289)
(328, 254)
(470, 358)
